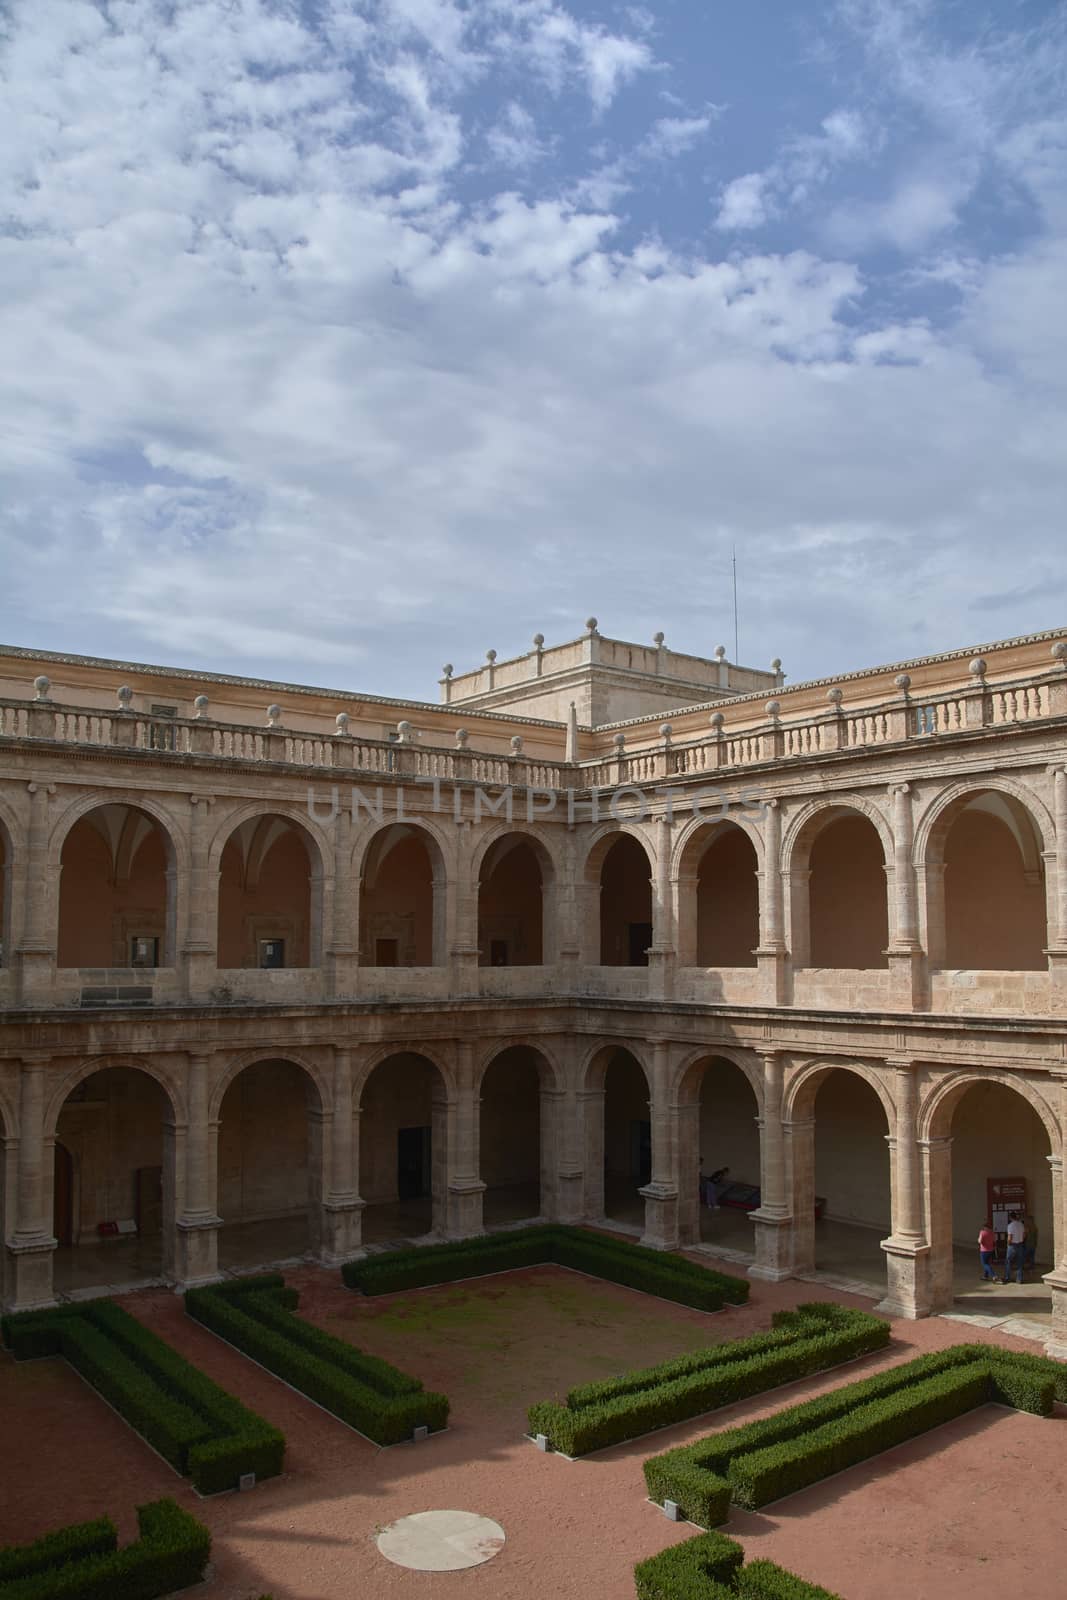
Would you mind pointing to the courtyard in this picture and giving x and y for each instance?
(970, 1510)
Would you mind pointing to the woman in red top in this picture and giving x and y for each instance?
(987, 1244)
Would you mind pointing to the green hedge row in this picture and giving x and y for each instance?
(205, 1433)
(671, 1277)
(761, 1461)
(709, 1567)
(171, 1553)
(256, 1315)
(810, 1339)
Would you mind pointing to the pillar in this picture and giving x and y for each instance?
(1057, 888)
(1057, 1278)
(935, 1157)
(197, 1226)
(557, 1197)
(799, 1139)
(906, 1250)
(774, 1219)
(341, 1225)
(200, 951)
(460, 1120)
(662, 956)
(771, 955)
(590, 1110)
(687, 1121)
(40, 904)
(461, 940)
(31, 1245)
(342, 953)
(907, 964)
(661, 1193)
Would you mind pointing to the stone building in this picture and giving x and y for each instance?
(291, 970)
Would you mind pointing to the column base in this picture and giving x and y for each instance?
(661, 965)
(31, 1274)
(1056, 1344)
(773, 969)
(196, 1252)
(569, 1197)
(908, 1290)
(908, 984)
(661, 1216)
(463, 962)
(341, 1230)
(774, 1247)
(36, 976)
(463, 1208)
(200, 973)
(342, 974)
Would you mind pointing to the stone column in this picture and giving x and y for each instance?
(555, 1196)
(687, 1121)
(662, 956)
(342, 952)
(1057, 1278)
(799, 1135)
(906, 1250)
(590, 1107)
(906, 960)
(198, 1221)
(771, 957)
(774, 1219)
(200, 952)
(1056, 879)
(31, 1245)
(935, 1156)
(464, 1187)
(568, 950)
(462, 939)
(40, 904)
(342, 1209)
(661, 1193)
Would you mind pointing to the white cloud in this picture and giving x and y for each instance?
(673, 136)
(743, 203)
(803, 165)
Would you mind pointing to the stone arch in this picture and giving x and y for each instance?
(407, 1117)
(980, 852)
(415, 1048)
(403, 901)
(803, 1085)
(594, 1064)
(287, 914)
(250, 1058)
(838, 897)
(517, 1093)
(619, 924)
(531, 933)
(171, 1085)
(497, 1047)
(718, 1124)
(938, 1104)
(137, 800)
(689, 1071)
(718, 868)
(615, 1097)
(104, 903)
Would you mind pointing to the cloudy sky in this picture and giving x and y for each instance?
(345, 337)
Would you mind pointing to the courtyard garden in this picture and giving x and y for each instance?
(645, 1387)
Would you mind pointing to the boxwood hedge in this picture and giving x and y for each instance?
(709, 1567)
(761, 1461)
(256, 1315)
(76, 1564)
(205, 1433)
(672, 1277)
(810, 1339)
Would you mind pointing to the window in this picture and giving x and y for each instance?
(144, 950)
(162, 734)
(272, 952)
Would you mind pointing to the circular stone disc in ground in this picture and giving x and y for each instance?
(441, 1541)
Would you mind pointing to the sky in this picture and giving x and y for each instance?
(343, 338)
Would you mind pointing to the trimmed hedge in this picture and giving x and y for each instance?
(709, 1567)
(810, 1339)
(171, 1553)
(205, 1433)
(762, 1461)
(672, 1277)
(256, 1315)
(81, 1539)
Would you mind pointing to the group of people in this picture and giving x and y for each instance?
(1021, 1252)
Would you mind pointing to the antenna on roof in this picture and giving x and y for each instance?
(737, 638)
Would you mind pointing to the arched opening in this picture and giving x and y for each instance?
(718, 899)
(402, 899)
(269, 883)
(269, 1162)
(994, 915)
(511, 893)
(109, 1174)
(403, 1138)
(839, 868)
(5, 899)
(625, 882)
(627, 1134)
(116, 891)
(719, 1154)
(999, 1158)
(512, 1136)
(851, 1203)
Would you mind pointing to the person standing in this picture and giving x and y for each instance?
(987, 1244)
(1031, 1242)
(1016, 1248)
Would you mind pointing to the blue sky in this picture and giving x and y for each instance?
(346, 337)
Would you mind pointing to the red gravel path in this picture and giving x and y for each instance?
(971, 1512)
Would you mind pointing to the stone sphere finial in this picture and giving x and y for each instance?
(665, 731)
(490, 656)
(200, 706)
(42, 686)
(1059, 650)
(903, 681)
(125, 697)
(516, 744)
(539, 640)
(716, 720)
(462, 737)
(619, 741)
(447, 670)
(591, 624)
(776, 664)
(403, 732)
(773, 708)
(274, 716)
(657, 640)
(835, 695)
(977, 668)
(720, 652)
(342, 720)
